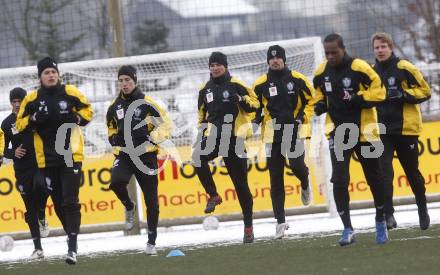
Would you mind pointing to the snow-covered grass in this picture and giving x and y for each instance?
(228, 233)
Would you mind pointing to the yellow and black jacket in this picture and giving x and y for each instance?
(156, 129)
(406, 88)
(358, 79)
(62, 101)
(286, 97)
(25, 139)
(217, 98)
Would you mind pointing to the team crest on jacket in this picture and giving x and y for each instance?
(226, 94)
(62, 104)
(391, 81)
(290, 86)
(63, 107)
(346, 82)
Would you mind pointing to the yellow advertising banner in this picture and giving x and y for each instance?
(98, 203)
(181, 194)
(429, 158)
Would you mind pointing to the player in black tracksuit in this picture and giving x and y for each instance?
(44, 111)
(25, 168)
(286, 97)
(156, 130)
(225, 101)
(400, 114)
(347, 88)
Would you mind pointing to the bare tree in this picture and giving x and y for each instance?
(39, 31)
(99, 24)
(426, 32)
(151, 37)
(418, 21)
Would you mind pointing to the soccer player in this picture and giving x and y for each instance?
(23, 155)
(156, 130)
(286, 97)
(400, 113)
(26, 172)
(347, 89)
(225, 104)
(46, 111)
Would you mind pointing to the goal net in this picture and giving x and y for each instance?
(431, 72)
(172, 79)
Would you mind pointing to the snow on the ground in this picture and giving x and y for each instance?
(193, 236)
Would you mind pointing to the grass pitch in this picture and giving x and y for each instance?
(410, 251)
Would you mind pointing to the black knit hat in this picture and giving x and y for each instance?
(218, 57)
(47, 62)
(276, 50)
(128, 70)
(17, 93)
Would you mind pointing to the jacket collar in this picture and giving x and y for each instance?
(385, 64)
(136, 94)
(52, 90)
(221, 79)
(347, 59)
(279, 73)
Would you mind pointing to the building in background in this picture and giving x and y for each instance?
(80, 30)
(194, 23)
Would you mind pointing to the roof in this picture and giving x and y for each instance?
(209, 8)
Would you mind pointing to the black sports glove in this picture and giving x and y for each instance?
(320, 108)
(352, 100)
(117, 140)
(408, 98)
(258, 117)
(236, 98)
(394, 94)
